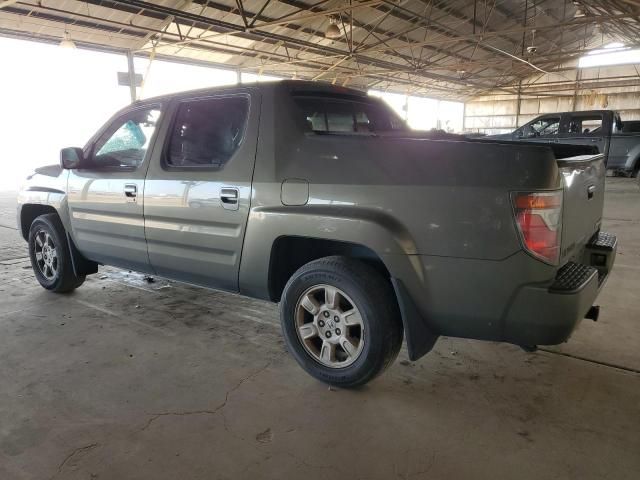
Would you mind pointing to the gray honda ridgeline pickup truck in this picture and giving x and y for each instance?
(320, 198)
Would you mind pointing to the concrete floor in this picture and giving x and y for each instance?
(128, 379)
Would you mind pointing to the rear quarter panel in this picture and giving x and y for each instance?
(403, 198)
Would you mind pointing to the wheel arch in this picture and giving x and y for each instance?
(290, 252)
(635, 165)
(633, 160)
(29, 212)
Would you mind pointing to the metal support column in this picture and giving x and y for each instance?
(464, 117)
(132, 77)
(574, 101)
(518, 103)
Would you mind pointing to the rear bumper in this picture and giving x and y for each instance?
(547, 315)
(518, 300)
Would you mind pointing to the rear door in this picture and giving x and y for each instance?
(198, 189)
(586, 128)
(105, 195)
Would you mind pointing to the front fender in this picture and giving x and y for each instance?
(47, 187)
(39, 196)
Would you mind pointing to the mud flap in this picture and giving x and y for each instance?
(420, 339)
(81, 266)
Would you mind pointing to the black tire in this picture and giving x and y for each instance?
(373, 296)
(63, 279)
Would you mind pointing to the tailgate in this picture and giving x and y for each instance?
(583, 182)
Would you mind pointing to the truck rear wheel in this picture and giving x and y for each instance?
(341, 321)
(50, 257)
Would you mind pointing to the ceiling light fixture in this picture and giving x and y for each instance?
(333, 31)
(532, 48)
(66, 41)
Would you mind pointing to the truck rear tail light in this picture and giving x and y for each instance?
(538, 217)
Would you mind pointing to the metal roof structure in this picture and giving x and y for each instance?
(448, 49)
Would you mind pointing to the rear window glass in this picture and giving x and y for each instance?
(347, 116)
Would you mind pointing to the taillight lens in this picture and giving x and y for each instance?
(539, 220)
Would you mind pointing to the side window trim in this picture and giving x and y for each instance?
(164, 154)
(91, 146)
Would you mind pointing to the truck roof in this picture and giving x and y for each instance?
(579, 112)
(301, 86)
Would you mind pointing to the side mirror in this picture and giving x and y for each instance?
(71, 157)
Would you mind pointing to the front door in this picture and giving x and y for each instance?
(198, 189)
(542, 129)
(106, 195)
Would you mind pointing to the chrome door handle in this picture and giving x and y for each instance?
(229, 198)
(131, 191)
(590, 191)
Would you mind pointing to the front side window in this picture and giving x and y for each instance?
(207, 132)
(543, 127)
(125, 143)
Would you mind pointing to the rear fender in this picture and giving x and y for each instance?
(373, 229)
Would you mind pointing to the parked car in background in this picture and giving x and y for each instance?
(320, 198)
(619, 141)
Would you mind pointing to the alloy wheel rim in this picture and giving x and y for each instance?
(46, 255)
(329, 326)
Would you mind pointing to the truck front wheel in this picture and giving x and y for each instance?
(50, 257)
(341, 321)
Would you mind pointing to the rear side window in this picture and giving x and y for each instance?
(631, 127)
(328, 115)
(584, 125)
(207, 132)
